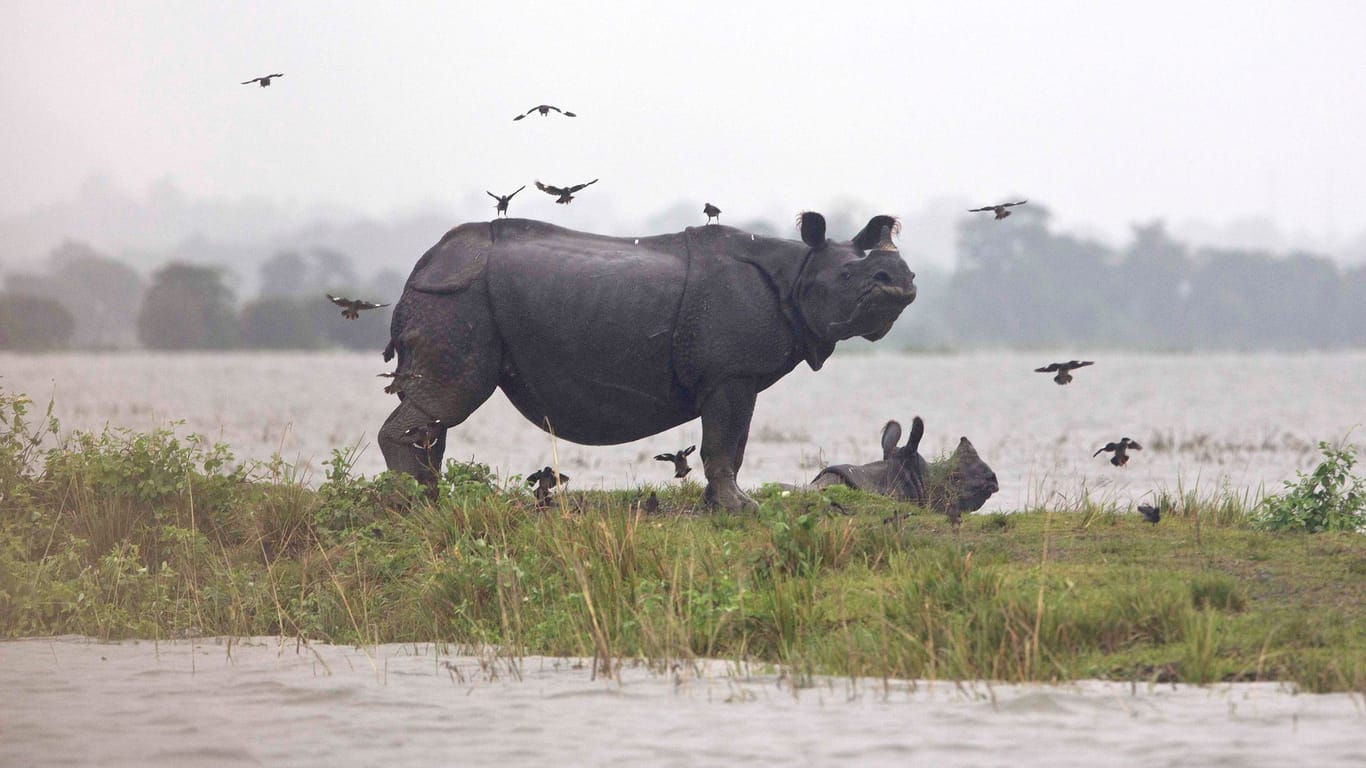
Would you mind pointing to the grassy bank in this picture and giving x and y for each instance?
(127, 534)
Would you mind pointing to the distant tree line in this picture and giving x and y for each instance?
(87, 300)
(1018, 283)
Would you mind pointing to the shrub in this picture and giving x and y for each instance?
(1330, 498)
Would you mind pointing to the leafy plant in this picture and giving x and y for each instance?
(1330, 498)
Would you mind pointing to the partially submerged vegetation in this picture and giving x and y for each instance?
(125, 534)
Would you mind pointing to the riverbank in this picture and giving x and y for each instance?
(151, 535)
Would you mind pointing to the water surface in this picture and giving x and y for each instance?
(1245, 422)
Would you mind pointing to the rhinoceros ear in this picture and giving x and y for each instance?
(891, 435)
(917, 432)
(871, 235)
(812, 225)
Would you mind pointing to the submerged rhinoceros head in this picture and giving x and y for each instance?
(856, 288)
(960, 483)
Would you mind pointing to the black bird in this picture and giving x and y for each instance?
(1121, 451)
(1000, 210)
(565, 193)
(835, 506)
(1064, 370)
(503, 200)
(544, 109)
(395, 387)
(712, 213)
(351, 308)
(546, 480)
(652, 504)
(264, 81)
(680, 460)
(427, 435)
(1151, 514)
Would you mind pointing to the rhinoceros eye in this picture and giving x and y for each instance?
(845, 274)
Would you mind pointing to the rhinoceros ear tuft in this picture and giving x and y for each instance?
(871, 235)
(917, 432)
(812, 225)
(891, 435)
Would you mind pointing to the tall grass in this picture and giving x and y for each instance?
(123, 534)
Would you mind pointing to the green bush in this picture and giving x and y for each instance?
(1330, 498)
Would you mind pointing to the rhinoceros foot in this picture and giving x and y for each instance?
(724, 493)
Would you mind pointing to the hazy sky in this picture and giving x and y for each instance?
(1109, 113)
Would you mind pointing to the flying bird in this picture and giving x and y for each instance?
(1121, 451)
(1064, 370)
(712, 213)
(544, 109)
(503, 200)
(1150, 513)
(395, 387)
(264, 81)
(546, 480)
(1000, 210)
(565, 194)
(351, 308)
(680, 460)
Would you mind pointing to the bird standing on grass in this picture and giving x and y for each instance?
(351, 308)
(546, 481)
(1064, 370)
(999, 210)
(680, 460)
(263, 80)
(544, 109)
(712, 213)
(1150, 513)
(565, 193)
(1121, 451)
(503, 200)
(652, 504)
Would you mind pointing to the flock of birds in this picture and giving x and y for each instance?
(546, 480)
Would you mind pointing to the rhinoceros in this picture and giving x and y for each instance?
(603, 340)
(960, 483)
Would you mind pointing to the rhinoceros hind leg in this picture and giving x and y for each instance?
(725, 430)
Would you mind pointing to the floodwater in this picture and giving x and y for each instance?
(273, 701)
(1206, 421)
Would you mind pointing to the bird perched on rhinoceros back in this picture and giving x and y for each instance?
(1120, 449)
(607, 340)
(1064, 370)
(680, 461)
(712, 213)
(351, 308)
(501, 207)
(960, 483)
(565, 195)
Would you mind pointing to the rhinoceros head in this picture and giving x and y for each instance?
(962, 482)
(856, 288)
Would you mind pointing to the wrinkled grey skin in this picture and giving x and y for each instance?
(960, 483)
(605, 340)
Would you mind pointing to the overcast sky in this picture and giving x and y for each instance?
(1108, 113)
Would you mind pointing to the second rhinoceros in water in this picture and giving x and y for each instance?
(960, 483)
(605, 340)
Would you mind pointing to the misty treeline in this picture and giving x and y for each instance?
(87, 300)
(1017, 283)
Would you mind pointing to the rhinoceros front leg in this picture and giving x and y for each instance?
(725, 430)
